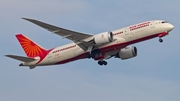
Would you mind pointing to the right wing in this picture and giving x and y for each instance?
(76, 37)
(21, 58)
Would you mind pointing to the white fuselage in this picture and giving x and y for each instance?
(122, 38)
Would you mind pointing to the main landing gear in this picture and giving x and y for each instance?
(102, 62)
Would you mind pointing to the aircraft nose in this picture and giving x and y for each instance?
(171, 27)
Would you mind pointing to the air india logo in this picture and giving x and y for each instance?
(30, 48)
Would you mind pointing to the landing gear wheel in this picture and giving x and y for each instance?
(102, 63)
(161, 40)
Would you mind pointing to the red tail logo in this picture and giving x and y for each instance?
(30, 48)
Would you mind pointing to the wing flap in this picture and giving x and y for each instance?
(21, 58)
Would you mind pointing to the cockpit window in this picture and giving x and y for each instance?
(164, 22)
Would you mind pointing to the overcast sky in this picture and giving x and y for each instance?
(154, 75)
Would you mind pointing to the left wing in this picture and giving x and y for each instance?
(76, 37)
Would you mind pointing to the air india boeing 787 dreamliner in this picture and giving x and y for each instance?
(99, 47)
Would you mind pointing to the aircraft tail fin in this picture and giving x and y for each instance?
(21, 58)
(30, 48)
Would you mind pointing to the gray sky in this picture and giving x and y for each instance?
(151, 76)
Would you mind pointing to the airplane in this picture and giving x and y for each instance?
(99, 47)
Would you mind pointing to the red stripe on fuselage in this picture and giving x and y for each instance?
(110, 48)
(123, 45)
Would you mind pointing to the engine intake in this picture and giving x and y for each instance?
(128, 52)
(103, 38)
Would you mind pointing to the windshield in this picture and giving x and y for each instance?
(164, 22)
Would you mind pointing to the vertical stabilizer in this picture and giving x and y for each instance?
(30, 48)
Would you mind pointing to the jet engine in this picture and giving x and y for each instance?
(128, 52)
(103, 38)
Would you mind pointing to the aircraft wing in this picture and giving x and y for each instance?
(65, 33)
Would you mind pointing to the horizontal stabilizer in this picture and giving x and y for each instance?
(21, 58)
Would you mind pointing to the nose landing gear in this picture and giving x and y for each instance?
(162, 35)
(160, 40)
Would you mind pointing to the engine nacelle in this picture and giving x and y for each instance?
(128, 52)
(103, 38)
